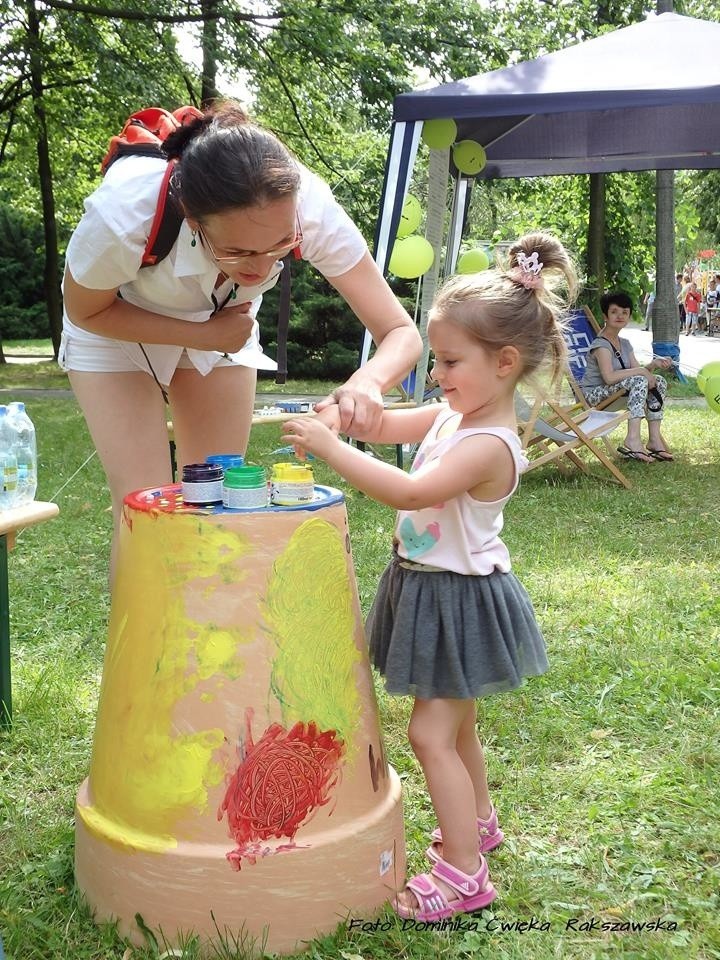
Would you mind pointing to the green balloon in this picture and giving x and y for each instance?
(711, 369)
(712, 393)
(469, 157)
(410, 217)
(439, 134)
(473, 261)
(411, 257)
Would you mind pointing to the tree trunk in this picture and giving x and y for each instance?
(53, 300)
(209, 89)
(596, 237)
(665, 322)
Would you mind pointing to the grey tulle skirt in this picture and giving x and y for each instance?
(442, 634)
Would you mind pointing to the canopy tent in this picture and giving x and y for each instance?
(624, 101)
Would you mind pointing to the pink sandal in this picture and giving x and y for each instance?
(489, 836)
(474, 893)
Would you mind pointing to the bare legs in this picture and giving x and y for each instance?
(444, 739)
(126, 417)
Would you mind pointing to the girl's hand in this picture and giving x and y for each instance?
(310, 435)
(229, 329)
(330, 416)
(360, 406)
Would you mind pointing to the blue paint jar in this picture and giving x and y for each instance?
(226, 460)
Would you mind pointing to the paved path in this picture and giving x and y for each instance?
(695, 352)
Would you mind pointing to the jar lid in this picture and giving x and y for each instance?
(201, 472)
(292, 473)
(226, 460)
(245, 476)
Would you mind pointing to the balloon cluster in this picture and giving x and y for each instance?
(468, 155)
(412, 255)
(709, 382)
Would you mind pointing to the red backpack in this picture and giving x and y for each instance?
(143, 135)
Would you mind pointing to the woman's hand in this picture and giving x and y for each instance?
(310, 435)
(359, 405)
(228, 330)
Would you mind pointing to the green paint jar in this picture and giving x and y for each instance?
(245, 488)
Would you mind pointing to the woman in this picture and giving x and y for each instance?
(611, 365)
(186, 327)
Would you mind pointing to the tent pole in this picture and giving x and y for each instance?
(404, 141)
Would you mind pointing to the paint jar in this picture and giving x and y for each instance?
(226, 460)
(292, 484)
(245, 488)
(202, 484)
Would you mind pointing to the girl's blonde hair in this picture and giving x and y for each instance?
(498, 309)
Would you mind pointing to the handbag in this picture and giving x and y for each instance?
(654, 400)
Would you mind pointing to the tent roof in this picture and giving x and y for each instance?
(626, 100)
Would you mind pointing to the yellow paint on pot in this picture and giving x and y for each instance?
(157, 655)
(309, 610)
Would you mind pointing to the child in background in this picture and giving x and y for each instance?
(692, 308)
(450, 622)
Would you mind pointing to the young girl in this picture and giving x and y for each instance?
(450, 621)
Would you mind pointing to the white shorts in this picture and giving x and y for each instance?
(107, 356)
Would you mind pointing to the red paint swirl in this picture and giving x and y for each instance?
(281, 780)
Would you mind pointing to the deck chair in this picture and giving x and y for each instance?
(564, 432)
(581, 330)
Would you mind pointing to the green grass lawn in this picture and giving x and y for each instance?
(604, 771)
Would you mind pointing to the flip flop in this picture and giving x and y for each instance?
(661, 455)
(638, 455)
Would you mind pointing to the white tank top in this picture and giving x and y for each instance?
(461, 534)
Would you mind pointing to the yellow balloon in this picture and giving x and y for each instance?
(439, 134)
(712, 393)
(473, 261)
(411, 257)
(469, 157)
(410, 217)
(711, 369)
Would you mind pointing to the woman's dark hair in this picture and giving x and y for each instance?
(227, 162)
(619, 298)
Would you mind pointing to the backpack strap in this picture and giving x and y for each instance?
(166, 222)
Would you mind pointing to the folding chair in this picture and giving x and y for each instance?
(581, 330)
(565, 432)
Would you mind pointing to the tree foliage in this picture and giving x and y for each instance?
(323, 77)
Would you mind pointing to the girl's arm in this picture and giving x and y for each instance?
(104, 313)
(401, 426)
(482, 465)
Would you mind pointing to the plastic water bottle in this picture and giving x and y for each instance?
(25, 450)
(8, 462)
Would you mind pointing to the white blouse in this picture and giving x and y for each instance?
(106, 249)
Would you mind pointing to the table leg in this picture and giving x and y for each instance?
(5, 687)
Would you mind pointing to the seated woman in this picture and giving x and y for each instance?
(611, 365)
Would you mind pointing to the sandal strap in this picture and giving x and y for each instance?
(485, 827)
(467, 885)
(429, 896)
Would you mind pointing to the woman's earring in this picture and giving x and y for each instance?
(193, 238)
